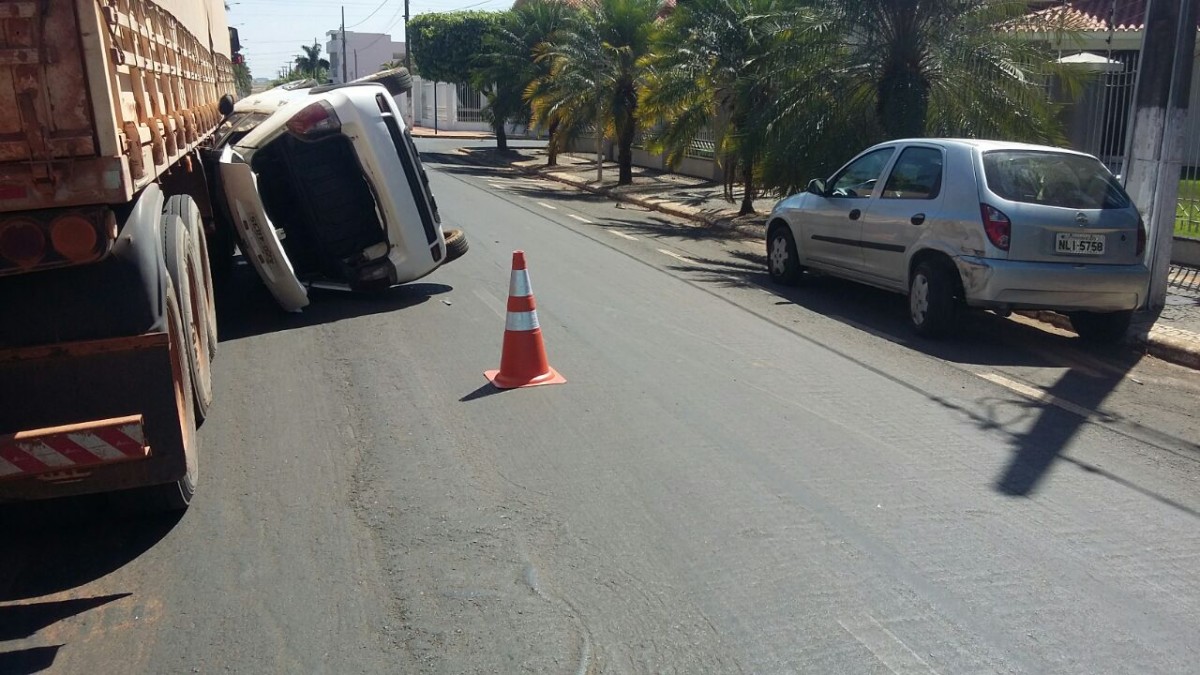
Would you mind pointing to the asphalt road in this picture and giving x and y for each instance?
(736, 478)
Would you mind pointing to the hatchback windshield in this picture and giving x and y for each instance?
(1053, 179)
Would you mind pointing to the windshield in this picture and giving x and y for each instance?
(1053, 178)
(237, 126)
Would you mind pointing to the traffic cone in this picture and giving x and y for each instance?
(523, 360)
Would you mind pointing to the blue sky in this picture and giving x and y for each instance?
(272, 31)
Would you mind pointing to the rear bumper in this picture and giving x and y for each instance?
(1006, 284)
(95, 387)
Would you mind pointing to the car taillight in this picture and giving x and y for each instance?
(316, 120)
(22, 243)
(1141, 236)
(997, 225)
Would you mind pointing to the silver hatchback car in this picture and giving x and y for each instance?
(959, 222)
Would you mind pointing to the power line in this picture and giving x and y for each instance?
(369, 15)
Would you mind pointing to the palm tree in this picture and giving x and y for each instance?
(945, 66)
(507, 67)
(311, 63)
(713, 70)
(597, 65)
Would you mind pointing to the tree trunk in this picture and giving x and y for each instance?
(748, 189)
(903, 103)
(552, 146)
(501, 136)
(625, 153)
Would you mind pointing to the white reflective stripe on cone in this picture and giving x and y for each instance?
(522, 321)
(518, 284)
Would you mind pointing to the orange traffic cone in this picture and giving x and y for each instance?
(523, 360)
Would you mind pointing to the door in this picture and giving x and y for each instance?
(911, 196)
(257, 234)
(832, 223)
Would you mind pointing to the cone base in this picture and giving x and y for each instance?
(500, 382)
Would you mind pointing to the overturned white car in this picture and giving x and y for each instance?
(324, 187)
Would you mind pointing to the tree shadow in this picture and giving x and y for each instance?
(245, 307)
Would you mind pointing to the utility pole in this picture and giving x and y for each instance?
(344, 64)
(1155, 150)
(412, 113)
(407, 42)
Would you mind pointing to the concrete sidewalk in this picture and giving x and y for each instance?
(1173, 335)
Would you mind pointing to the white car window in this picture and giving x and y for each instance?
(859, 178)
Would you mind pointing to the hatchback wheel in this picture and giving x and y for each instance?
(1101, 327)
(783, 260)
(932, 306)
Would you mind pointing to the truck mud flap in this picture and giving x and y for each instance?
(122, 429)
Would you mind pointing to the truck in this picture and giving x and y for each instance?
(107, 318)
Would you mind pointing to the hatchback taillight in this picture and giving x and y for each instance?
(1141, 236)
(997, 225)
(315, 121)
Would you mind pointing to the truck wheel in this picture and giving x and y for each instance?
(171, 496)
(456, 244)
(176, 496)
(183, 269)
(185, 207)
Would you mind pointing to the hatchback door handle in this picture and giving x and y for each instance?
(917, 219)
(854, 214)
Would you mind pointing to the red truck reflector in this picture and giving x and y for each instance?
(57, 449)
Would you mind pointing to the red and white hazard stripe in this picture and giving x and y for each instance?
(78, 445)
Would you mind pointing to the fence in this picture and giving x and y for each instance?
(470, 104)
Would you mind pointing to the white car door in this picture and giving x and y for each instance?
(257, 234)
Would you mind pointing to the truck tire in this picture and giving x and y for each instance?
(178, 495)
(183, 264)
(185, 207)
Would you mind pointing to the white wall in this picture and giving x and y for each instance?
(422, 113)
(365, 53)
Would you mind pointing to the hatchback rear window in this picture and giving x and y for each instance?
(1053, 179)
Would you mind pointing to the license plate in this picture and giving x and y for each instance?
(1079, 244)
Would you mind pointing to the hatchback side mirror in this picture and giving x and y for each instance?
(817, 187)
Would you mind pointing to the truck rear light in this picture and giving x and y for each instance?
(1141, 236)
(75, 238)
(22, 243)
(315, 121)
(997, 225)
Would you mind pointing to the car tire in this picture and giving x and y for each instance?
(783, 257)
(396, 80)
(1101, 327)
(932, 299)
(456, 244)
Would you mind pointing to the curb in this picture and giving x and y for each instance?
(1156, 342)
(721, 220)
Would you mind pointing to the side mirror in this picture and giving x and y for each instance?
(816, 186)
(225, 106)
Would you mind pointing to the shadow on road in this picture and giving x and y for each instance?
(1047, 419)
(27, 661)
(245, 308)
(56, 545)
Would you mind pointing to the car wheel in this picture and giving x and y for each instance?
(396, 80)
(783, 258)
(1101, 327)
(932, 305)
(456, 244)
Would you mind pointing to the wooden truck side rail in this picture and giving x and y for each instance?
(107, 95)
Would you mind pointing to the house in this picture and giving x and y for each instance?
(365, 53)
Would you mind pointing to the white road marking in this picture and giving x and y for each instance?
(545, 205)
(579, 218)
(676, 256)
(622, 235)
(891, 651)
(1038, 395)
